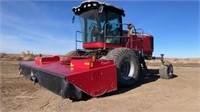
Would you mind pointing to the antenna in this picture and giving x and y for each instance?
(103, 1)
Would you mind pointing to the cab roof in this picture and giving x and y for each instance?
(89, 5)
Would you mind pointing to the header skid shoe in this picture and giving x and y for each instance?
(69, 78)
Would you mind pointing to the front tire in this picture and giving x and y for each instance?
(128, 67)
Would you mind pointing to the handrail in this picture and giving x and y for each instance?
(76, 38)
(106, 36)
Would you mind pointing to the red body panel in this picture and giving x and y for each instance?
(140, 42)
(148, 44)
(96, 81)
(93, 77)
(47, 59)
(97, 45)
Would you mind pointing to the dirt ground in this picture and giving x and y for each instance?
(151, 94)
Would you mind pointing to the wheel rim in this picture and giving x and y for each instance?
(127, 69)
(170, 71)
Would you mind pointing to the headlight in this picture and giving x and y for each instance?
(89, 5)
(94, 4)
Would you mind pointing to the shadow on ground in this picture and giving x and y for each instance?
(152, 76)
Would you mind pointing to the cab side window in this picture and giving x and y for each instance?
(113, 28)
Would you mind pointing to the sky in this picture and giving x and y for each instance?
(46, 26)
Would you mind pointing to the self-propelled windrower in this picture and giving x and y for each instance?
(111, 57)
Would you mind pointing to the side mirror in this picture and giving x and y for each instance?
(73, 19)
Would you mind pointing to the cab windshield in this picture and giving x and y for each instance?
(93, 23)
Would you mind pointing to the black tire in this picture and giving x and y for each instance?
(166, 71)
(73, 53)
(128, 67)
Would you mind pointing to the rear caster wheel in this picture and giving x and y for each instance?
(166, 71)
